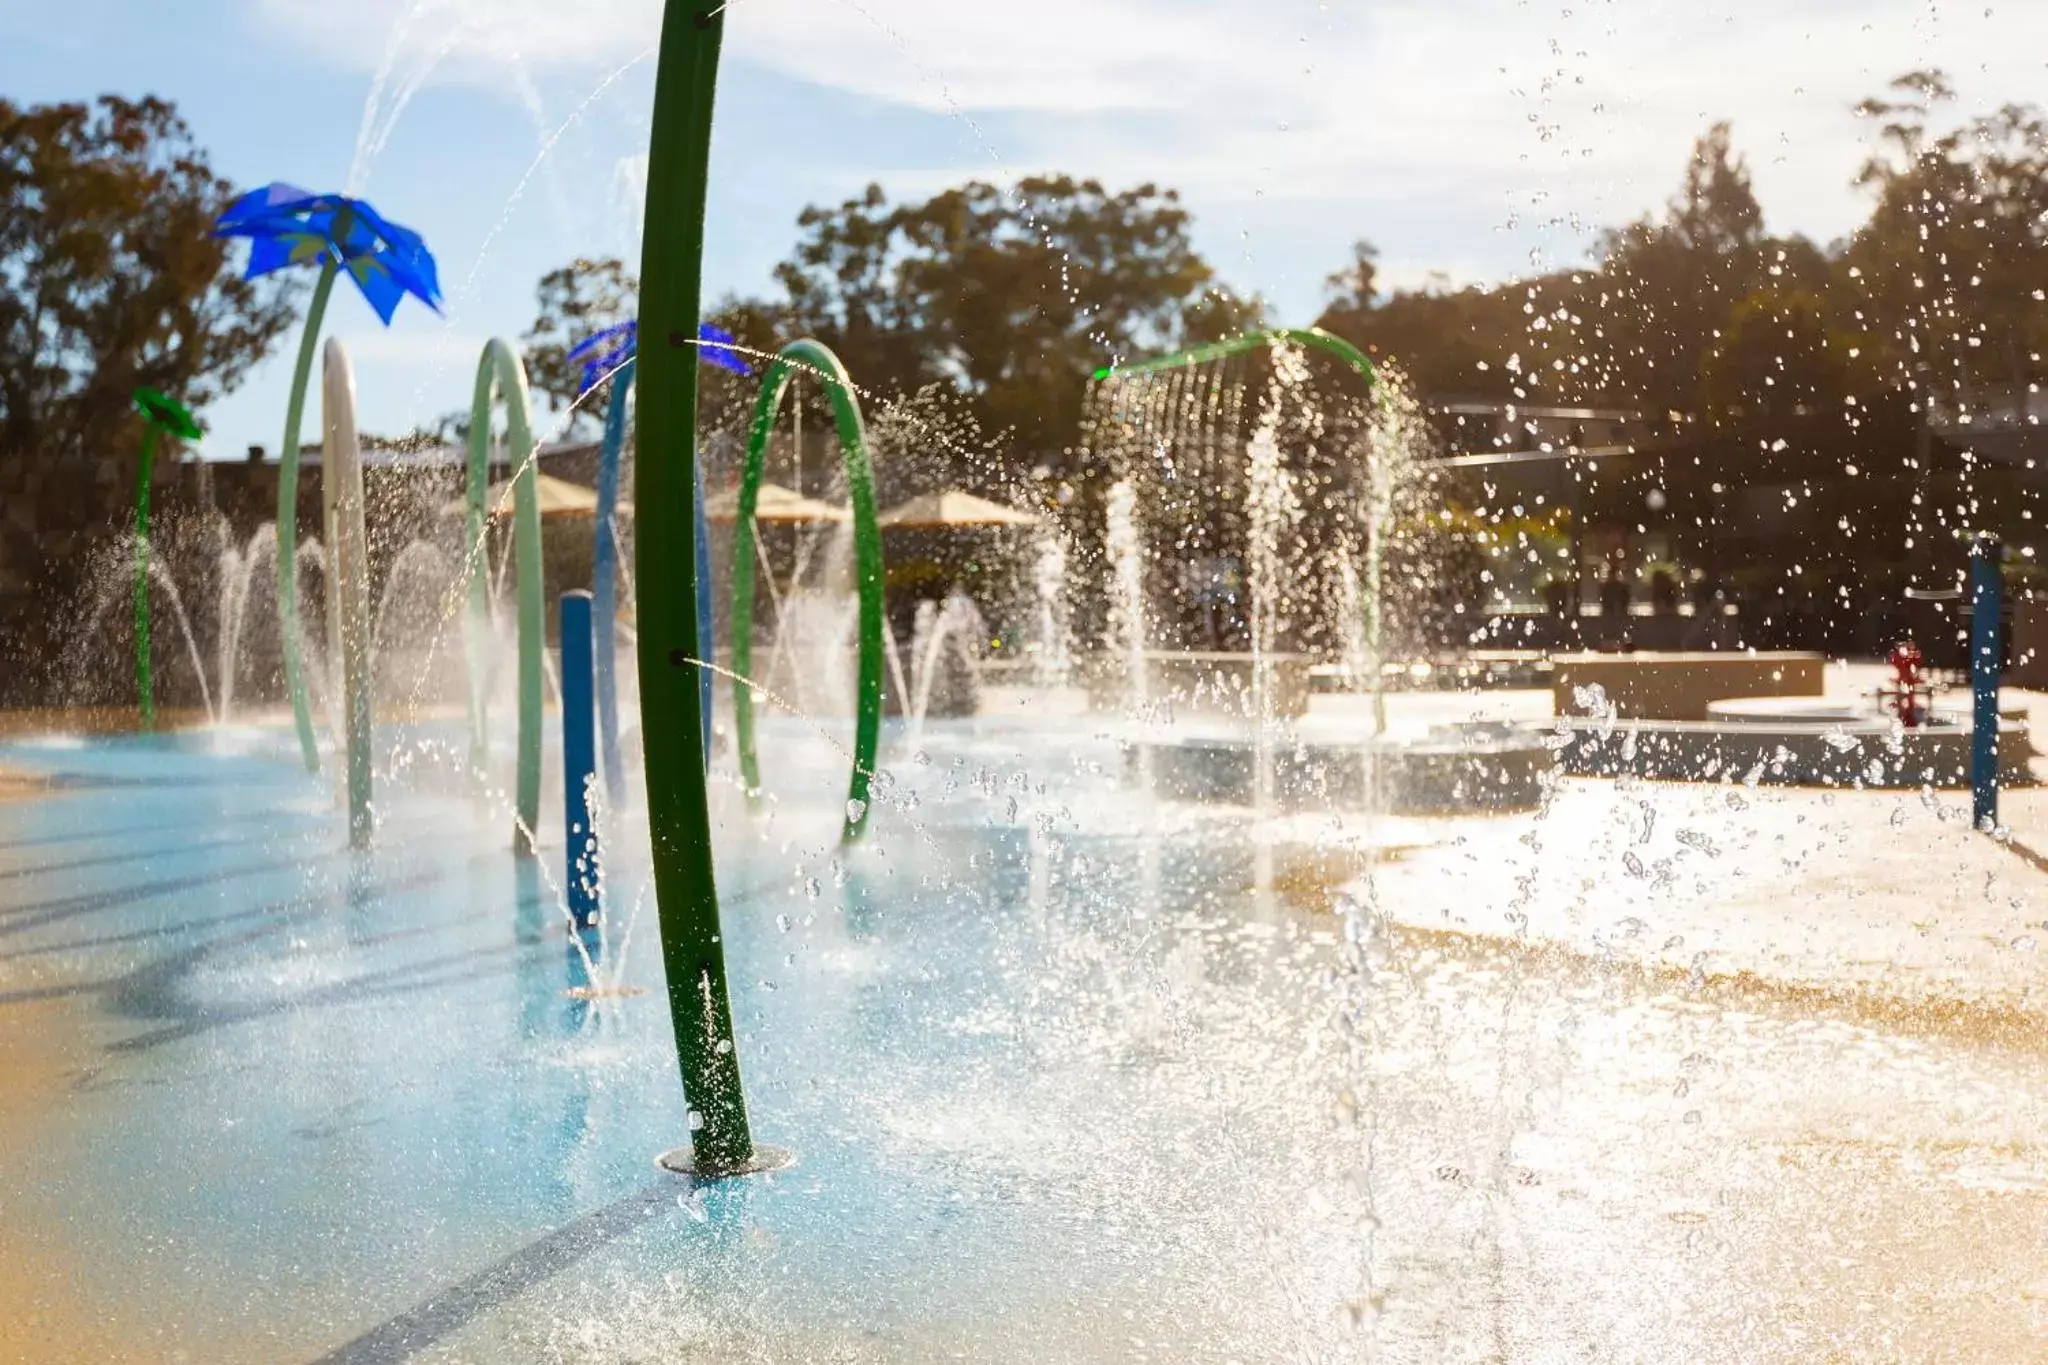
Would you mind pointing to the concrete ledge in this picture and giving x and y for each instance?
(1440, 776)
(1789, 755)
(1681, 686)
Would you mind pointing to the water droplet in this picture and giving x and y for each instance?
(696, 1120)
(855, 810)
(1694, 839)
(784, 923)
(812, 889)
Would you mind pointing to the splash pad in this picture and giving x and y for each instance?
(1073, 1063)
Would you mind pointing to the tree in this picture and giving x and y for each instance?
(1355, 288)
(576, 300)
(1945, 279)
(1664, 288)
(110, 279)
(1447, 342)
(1775, 358)
(1634, 329)
(586, 296)
(1015, 296)
(1218, 313)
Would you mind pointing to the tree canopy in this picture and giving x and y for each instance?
(1013, 295)
(997, 303)
(110, 278)
(1941, 288)
(1009, 298)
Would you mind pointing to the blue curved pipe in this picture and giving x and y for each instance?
(604, 589)
(604, 584)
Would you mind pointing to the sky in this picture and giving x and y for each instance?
(1471, 140)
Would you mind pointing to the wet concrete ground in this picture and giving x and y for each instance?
(1661, 1072)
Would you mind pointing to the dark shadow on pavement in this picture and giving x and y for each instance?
(2037, 861)
(454, 1308)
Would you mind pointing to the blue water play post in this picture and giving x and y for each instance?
(604, 582)
(579, 761)
(1987, 571)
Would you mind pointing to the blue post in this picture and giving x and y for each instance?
(604, 582)
(707, 642)
(1987, 558)
(579, 761)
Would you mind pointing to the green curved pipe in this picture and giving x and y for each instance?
(288, 520)
(817, 359)
(501, 374)
(145, 686)
(665, 559)
(1318, 339)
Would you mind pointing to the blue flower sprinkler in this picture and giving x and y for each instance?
(287, 226)
(609, 355)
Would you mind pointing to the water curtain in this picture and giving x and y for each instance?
(501, 375)
(814, 358)
(1378, 512)
(160, 414)
(666, 561)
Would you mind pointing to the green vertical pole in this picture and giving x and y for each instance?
(145, 686)
(678, 810)
(501, 374)
(288, 520)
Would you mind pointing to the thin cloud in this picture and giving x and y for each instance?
(1543, 120)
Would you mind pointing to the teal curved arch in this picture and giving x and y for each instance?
(501, 376)
(815, 358)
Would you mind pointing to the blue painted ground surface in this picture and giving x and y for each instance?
(1071, 1075)
(1060, 1084)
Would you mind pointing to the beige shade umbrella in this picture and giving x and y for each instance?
(774, 503)
(558, 498)
(951, 508)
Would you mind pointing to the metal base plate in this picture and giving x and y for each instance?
(683, 1161)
